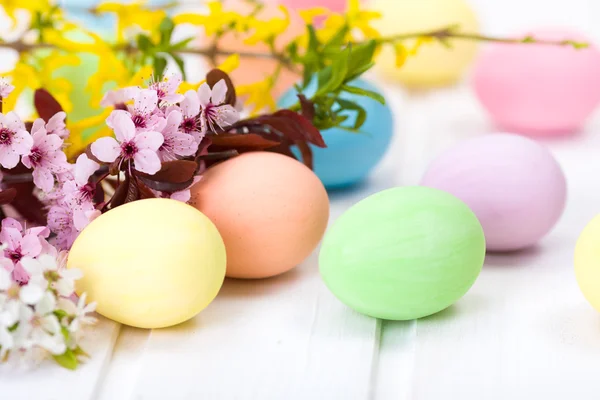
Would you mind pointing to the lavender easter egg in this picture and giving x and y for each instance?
(538, 89)
(513, 184)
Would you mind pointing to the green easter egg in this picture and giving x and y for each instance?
(403, 253)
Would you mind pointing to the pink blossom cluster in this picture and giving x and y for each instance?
(161, 125)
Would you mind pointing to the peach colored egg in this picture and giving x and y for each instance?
(252, 70)
(270, 209)
(539, 89)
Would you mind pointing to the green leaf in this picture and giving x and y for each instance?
(330, 78)
(166, 30)
(181, 45)
(364, 92)
(360, 56)
(361, 115)
(79, 352)
(352, 76)
(144, 44)
(338, 39)
(60, 314)
(67, 360)
(160, 63)
(179, 61)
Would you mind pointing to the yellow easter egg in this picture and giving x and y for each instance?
(587, 262)
(150, 263)
(434, 64)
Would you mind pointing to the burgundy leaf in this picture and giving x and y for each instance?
(248, 141)
(7, 195)
(120, 193)
(27, 205)
(133, 192)
(98, 193)
(178, 171)
(308, 107)
(307, 131)
(144, 191)
(307, 156)
(215, 76)
(45, 104)
(168, 187)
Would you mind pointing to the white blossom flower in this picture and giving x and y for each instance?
(39, 326)
(79, 312)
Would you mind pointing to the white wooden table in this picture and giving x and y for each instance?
(524, 331)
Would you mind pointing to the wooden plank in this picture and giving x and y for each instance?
(51, 382)
(524, 330)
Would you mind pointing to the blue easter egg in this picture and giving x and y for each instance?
(350, 156)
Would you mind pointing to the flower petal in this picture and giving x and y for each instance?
(106, 149)
(147, 161)
(145, 101)
(219, 91)
(8, 158)
(190, 106)
(31, 294)
(84, 168)
(204, 94)
(43, 178)
(22, 142)
(120, 122)
(149, 140)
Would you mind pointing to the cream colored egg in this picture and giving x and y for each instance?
(434, 64)
(151, 263)
(270, 209)
(587, 262)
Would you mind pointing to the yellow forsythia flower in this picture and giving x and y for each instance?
(11, 6)
(133, 15)
(25, 75)
(76, 143)
(266, 31)
(401, 54)
(229, 65)
(309, 14)
(215, 21)
(258, 95)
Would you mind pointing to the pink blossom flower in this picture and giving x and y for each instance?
(130, 146)
(45, 157)
(190, 110)
(175, 143)
(167, 88)
(79, 190)
(5, 88)
(215, 114)
(14, 140)
(21, 244)
(119, 96)
(185, 195)
(56, 125)
(60, 221)
(144, 114)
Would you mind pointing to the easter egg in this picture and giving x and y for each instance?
(270, 209)
(513, 184)
(587, 262)
(434, 64)
(337, 6)
(403, 253)
(539, 89)
(150, 263)
(350, 156)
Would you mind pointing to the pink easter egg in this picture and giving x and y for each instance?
(337, 6)
(539, 89)
(513, 185)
